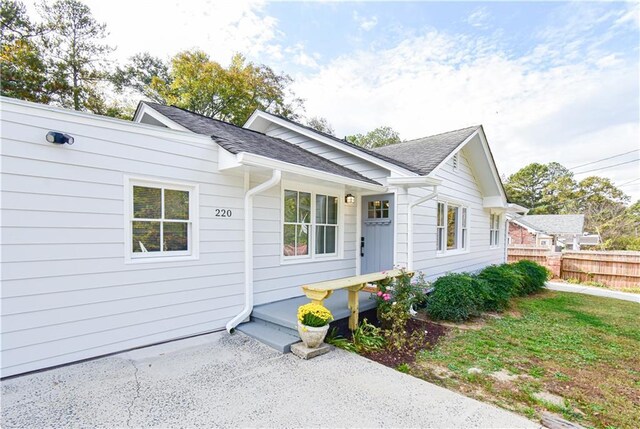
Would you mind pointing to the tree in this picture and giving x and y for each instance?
(381, 136)
(195, 82)
(604, 206)
(321, 124)
(23, 71)
(526, 187)
(76, 53)
(140, 73)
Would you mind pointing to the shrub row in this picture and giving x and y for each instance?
(458, 297)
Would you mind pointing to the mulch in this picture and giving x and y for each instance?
(427, 333)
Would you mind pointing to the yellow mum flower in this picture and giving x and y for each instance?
(314, 311)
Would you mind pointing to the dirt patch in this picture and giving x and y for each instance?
(426, 335)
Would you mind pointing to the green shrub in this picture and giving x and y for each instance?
(367, 338)
(504, 282)
(534, 276)
(456, 297)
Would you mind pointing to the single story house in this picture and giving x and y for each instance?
(119, 234)
(552, 231)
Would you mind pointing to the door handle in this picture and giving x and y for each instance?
(361, 246)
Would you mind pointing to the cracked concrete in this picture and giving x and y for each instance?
(219, 380)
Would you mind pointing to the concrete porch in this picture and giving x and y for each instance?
(275, 324)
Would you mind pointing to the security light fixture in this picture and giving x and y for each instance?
(59, 138)
(349, 199)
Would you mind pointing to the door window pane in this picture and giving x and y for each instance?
(145, 237)
(175, 236)
(176, 204)
(147, 202)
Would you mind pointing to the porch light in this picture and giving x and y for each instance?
(349, 199)
(59, 138)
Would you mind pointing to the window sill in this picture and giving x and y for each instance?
(309, 260)
(161, 259)
(452, 253)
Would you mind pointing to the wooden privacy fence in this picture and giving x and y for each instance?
(615, 269)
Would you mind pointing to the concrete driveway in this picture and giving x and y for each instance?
(596, 291)
(219, 380)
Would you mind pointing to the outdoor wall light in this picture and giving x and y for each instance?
(59, 138)
(349, 199)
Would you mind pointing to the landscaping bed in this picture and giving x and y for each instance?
(500, 337)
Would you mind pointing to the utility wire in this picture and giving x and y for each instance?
(603, 159)
(629, 182)
(608, 166)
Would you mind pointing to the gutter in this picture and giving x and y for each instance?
(248, 248)
(410, 225)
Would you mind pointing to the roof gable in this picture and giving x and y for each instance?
(236, 139)
(425, 154)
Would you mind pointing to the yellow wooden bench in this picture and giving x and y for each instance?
(318, 292)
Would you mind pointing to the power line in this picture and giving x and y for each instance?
(603, 159)
(629, 182)
(608, 166)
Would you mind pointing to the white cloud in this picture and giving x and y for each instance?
(365, 23)
(533, 107)
(479, 17)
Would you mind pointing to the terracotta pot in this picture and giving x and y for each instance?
(312, 337)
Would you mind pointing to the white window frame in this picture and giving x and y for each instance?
(494, 233)
(312, 255)
(462, 244)
(193, 237)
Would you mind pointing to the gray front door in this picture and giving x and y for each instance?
(376, 243)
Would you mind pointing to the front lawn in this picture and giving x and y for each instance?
(572, 354)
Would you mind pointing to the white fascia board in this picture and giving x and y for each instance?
(98, 121)
(494, 203)
(148, 110)
(453, 152)
(413, 181)
(253, 160)
(227, 160)
(322, 139)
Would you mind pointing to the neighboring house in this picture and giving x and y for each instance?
(552, 231)
(175, 224)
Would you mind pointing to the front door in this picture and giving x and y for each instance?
(376, 243)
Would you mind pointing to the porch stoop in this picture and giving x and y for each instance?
(276, 325)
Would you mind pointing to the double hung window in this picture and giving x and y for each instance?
(451, 227)
(310, 224)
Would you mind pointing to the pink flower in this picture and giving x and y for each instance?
(379, 293)
(386, 297)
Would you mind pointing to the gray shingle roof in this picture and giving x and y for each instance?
(237, 139)
(348, 143)
(423, 155)
(554, 224)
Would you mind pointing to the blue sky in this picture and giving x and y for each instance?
(550, 81)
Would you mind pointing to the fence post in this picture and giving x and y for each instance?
(554, 264)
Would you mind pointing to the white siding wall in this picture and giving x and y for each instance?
(339, 157)
(67, 293)
(273, 280)
(460, 186)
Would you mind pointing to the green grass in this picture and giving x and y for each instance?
(583, 348)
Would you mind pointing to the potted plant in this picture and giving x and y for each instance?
(313, 324)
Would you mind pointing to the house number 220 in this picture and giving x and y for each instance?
(223, 213)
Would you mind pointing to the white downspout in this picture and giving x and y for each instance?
(248, 248)
(410, 225)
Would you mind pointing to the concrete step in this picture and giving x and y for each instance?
(270, 335)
